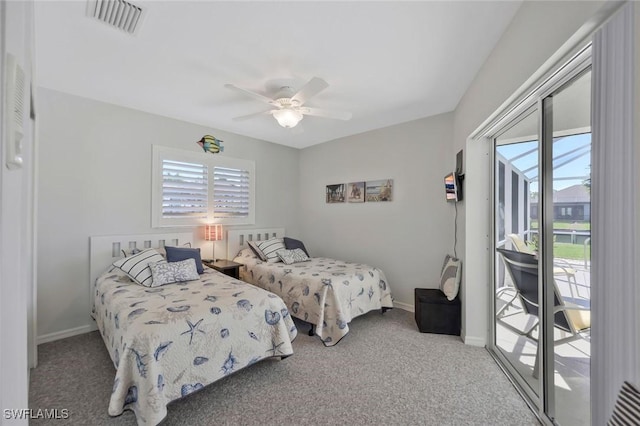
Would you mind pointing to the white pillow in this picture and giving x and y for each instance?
(292, 256)
(450, 277)
(173, 272)
(137, 266)
(270, 248)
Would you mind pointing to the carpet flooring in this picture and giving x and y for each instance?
(383, 372)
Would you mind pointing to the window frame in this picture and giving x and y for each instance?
(160, 153)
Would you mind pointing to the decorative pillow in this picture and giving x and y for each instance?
(450, 277)
(137, 266)
(292, 256)
(270, 247)
(173, 272)
(128, 252)
(176, 254)
(163, 251)
(256, 250)
(292, 244)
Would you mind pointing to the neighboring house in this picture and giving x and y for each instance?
(571, 204)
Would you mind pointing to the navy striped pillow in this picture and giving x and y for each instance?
(270, 248)
(627, 408)
(137, 266)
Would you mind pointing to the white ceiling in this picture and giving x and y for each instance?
(386, 62)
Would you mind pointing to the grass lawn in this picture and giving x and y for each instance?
(578, 226)
(571, 251)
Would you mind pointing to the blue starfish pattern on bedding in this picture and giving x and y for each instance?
(169, 342)
(327, 293)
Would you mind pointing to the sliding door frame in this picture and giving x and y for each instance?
(540, 99)
(532, 399)
(545, 272)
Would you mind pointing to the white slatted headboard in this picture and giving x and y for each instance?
(104, 250)
(237, 238)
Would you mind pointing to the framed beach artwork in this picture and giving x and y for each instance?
(336, 193)
(355, 192)
(379, 190)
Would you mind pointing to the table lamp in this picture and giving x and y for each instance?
(213, 232)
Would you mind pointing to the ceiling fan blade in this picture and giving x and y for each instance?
(255, 114)
(254, 95)
(338, 115)
(312, 88)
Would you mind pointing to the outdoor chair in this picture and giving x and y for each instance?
(560, 267)
(523, 270)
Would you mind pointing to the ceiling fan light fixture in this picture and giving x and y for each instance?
(287, 106)
(287, 117)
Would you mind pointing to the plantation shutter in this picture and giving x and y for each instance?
(192, 189)
(231, 192)
(184, 190)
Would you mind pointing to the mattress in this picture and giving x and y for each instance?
(170, 341)
(325, 292)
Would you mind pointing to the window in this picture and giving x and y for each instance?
(231, 188)
(184, 190)
(191, 188)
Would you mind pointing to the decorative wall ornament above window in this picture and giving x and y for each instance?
(210, 144)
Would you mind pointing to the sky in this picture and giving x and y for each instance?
(573, 164)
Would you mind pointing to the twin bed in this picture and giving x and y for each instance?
(169, 341)
(326, 293)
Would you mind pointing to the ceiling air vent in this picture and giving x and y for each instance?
(119, 14)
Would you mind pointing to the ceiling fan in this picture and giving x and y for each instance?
(287, 105)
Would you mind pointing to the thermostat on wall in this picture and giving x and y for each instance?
(14, 112)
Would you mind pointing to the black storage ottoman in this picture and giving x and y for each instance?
(435, 313)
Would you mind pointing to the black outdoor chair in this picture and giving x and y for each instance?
(523, 270)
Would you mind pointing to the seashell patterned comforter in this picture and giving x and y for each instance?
(167, 342)
(325, 292)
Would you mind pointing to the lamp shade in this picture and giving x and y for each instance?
(287, 117)
(213, 232)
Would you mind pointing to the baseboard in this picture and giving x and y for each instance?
(404, 306)
(64, 334)
(474, 341)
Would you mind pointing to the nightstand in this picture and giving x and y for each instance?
(227, 267)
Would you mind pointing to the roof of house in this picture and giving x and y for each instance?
(572, 194)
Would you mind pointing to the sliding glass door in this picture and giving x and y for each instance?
(570, 209)
(516, 190)
(541, 236)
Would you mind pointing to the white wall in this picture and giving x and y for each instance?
(537, 31)
(408, 237)
(95, 179)
(16, 195)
